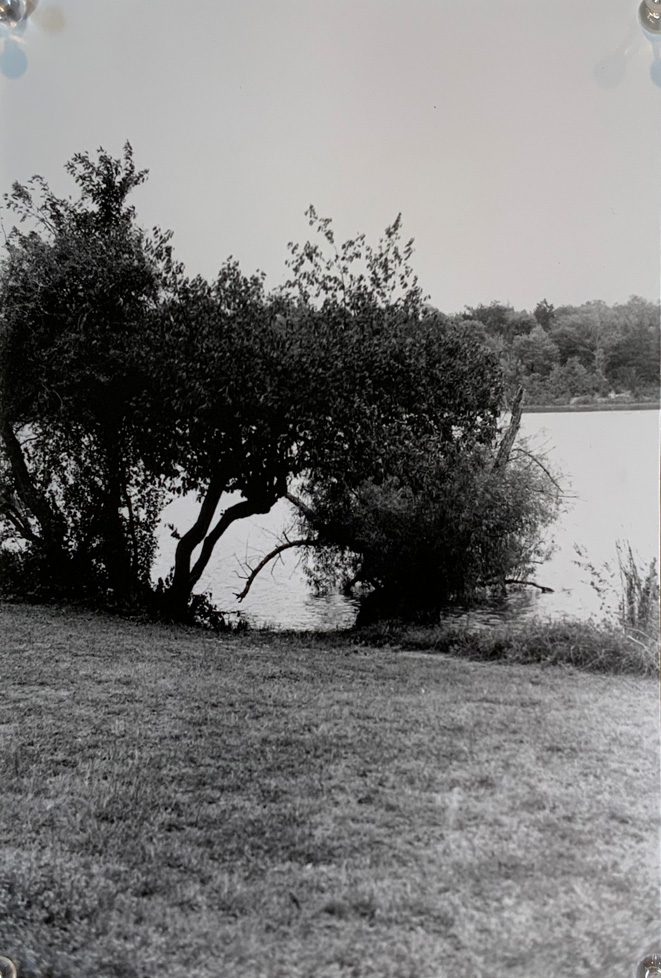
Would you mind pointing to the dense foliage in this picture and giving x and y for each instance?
(125, 382)
(451, 527)
(314, 382)
(80, 285)
(576, 354)
(435, 512)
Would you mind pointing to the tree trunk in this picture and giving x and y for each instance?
(187, 576)
(122, 574)
(237, 512)
(116, 558)
(51, 541)
(502, 458)
(178, 593)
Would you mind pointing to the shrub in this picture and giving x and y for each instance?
(22, 573)
(451, 528)
(204, 613)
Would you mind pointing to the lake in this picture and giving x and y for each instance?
(609, 461)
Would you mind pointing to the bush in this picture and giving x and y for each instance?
(23, 574)
(201, 612)
(204, 613)
(451, 528)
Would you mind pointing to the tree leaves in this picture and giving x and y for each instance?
(78, 292)
(123, 380)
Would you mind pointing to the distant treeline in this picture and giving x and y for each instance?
(575, 354)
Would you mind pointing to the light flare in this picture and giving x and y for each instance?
(14, 17)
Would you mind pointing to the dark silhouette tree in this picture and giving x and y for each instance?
(80, 289)
(418, 499)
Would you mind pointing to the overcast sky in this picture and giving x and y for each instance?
(517, 174)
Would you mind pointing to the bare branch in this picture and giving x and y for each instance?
(542, 588)
(536, 460)
(270, 556)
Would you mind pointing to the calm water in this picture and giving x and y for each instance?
(610, 463)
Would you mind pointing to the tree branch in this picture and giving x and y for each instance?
(237, 512)
(19, 523)
(270, 556)
(542, 588)
(535, 459)
(195, 535)
(50, 520)
(298, 502)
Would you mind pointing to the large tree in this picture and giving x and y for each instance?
(80, 290)
(236, 378)
(419, 497)
(330, 375)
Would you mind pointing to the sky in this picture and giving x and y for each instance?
(523, 166)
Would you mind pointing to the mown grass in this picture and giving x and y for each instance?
(262, 805)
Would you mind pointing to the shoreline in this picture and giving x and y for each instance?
(565, 408)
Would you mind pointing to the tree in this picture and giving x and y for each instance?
(329, 375)
(452, 527)
(80, 290)
(631, 348)
(124, 381)
(544, 312)
(536, 351)
(501, 320)
(616, 347)
(571, 379)
(414, 500)
(579, 331)
(239, 395)
(451, 521)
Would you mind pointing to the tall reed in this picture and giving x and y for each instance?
(639, 595)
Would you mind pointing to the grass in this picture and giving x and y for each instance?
(586, 645)
(263, 805)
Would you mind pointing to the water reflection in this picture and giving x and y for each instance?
(325, 613)
(520, 605)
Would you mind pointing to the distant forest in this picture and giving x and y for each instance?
(575, 354)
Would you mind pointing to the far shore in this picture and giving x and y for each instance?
(601, 406)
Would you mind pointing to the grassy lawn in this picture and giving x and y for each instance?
(185, 805)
